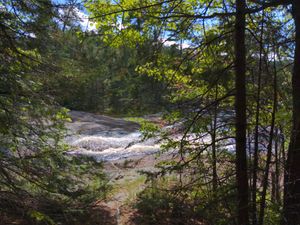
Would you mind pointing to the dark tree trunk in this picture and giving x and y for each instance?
(277, 169)
(240, 107)
(273, 187)
(269, 153)
(292, 182)
(214, 149)
(257, 118)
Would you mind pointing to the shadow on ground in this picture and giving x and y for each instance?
(95, 216)
(99, 215)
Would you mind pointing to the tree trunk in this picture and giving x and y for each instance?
(257, 118)
(214, 148)
(292, 182)
(269, 153)
(240, 107)
(277, 168)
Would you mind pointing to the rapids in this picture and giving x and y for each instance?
(106, 138)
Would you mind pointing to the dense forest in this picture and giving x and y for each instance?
(214, 85)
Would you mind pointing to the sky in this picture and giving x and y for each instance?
(85, 23)
(59, 1)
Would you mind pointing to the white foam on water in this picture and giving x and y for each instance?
(108, 148)
(111, 154)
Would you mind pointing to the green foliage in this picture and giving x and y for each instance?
(39, 181)
(165, 201)
(100, 78)
(157, 206)
(40, 217)
(273, 213)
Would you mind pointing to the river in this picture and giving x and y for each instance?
(106, 138)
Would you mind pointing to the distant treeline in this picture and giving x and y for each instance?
(93, 76)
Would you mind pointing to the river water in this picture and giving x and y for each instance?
(106, 138)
